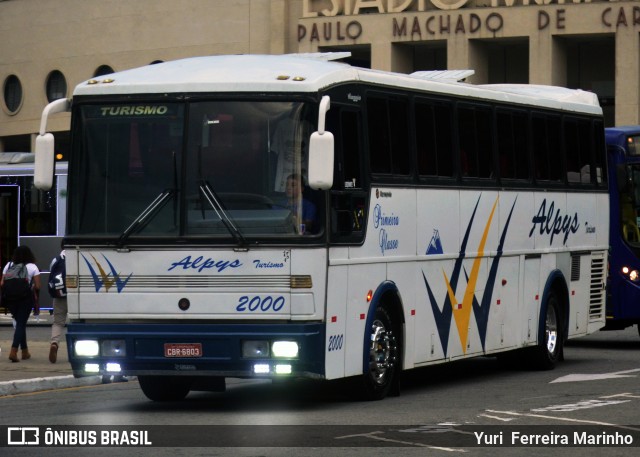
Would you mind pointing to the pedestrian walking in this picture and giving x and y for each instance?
(58, 291)
(20, 285)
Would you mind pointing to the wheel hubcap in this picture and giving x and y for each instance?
(551, 330)
(382, 352)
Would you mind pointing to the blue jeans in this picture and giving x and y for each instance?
(21, 315)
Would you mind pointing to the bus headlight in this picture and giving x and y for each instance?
(631, 274)
(255, 349)
(114, 348)
(86, 348)
(285, 349)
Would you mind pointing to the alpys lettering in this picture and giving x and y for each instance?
(553, 223)
(200, 263)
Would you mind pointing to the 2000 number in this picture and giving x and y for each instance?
(258, 303)
(335, 342)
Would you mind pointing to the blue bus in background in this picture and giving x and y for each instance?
(623, 297)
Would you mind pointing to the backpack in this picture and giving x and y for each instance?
(57, 277)
(16, 285)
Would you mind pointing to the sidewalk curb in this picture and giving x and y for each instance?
(24, 386)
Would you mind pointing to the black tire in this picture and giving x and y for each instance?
(164, 388)
(384, 357)
(551, 336)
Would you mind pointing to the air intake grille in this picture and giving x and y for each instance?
(596, 287)
(575, 268)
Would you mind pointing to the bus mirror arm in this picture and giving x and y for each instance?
(45, 150)
(321, 151)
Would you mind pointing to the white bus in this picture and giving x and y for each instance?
(29, 216)
(438, 221)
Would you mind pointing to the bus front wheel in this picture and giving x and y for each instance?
(384, 358)
(164, 388)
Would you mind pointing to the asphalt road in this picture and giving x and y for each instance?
(442, 410)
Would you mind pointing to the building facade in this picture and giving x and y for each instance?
(49, 46)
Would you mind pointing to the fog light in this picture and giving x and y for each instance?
(114, 348)
(255, 349)
(285, 349)
(92, 368)
(87, 348)
(283, 369)
(261, 368)
(113, 367)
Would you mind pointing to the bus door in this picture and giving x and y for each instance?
(9, 221)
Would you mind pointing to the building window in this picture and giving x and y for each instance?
(56, 86)
(102, 70)
(13, 93)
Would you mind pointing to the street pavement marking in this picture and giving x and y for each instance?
(373, 435)
(503, 419)
(596, 376)
(626, 395)
(566, 419)
(584, 404)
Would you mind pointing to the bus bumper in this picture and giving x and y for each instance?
(214, 350)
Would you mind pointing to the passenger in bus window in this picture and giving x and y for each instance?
(304, 211)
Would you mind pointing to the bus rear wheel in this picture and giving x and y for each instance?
(549, 349)
(164, 388)
(384, 357)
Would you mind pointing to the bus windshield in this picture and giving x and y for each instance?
(630, 205)
(233, 170)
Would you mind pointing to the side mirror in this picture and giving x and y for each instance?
(45, 162)
(45, 155)
(321, 152)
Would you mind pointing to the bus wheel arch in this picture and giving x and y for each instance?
(383, 344)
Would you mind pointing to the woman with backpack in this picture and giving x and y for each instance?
(20, 299)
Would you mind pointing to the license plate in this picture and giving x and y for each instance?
(183, 350)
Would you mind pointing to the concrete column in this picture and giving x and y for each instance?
(458, 55)
(478, 61)
(279, 26)
(540, 59)
(627, 76)
(381, 56)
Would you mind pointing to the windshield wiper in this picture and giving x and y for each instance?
(218, 208)
(146, 215)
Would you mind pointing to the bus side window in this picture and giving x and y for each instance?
(546, 148)
(388, 135)
(513, 157)
(476, 145)
(577, 133)
(434, 132)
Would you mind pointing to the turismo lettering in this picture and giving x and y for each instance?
(200, 263)
(260, 264)
(553, 223)
(139, 110)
